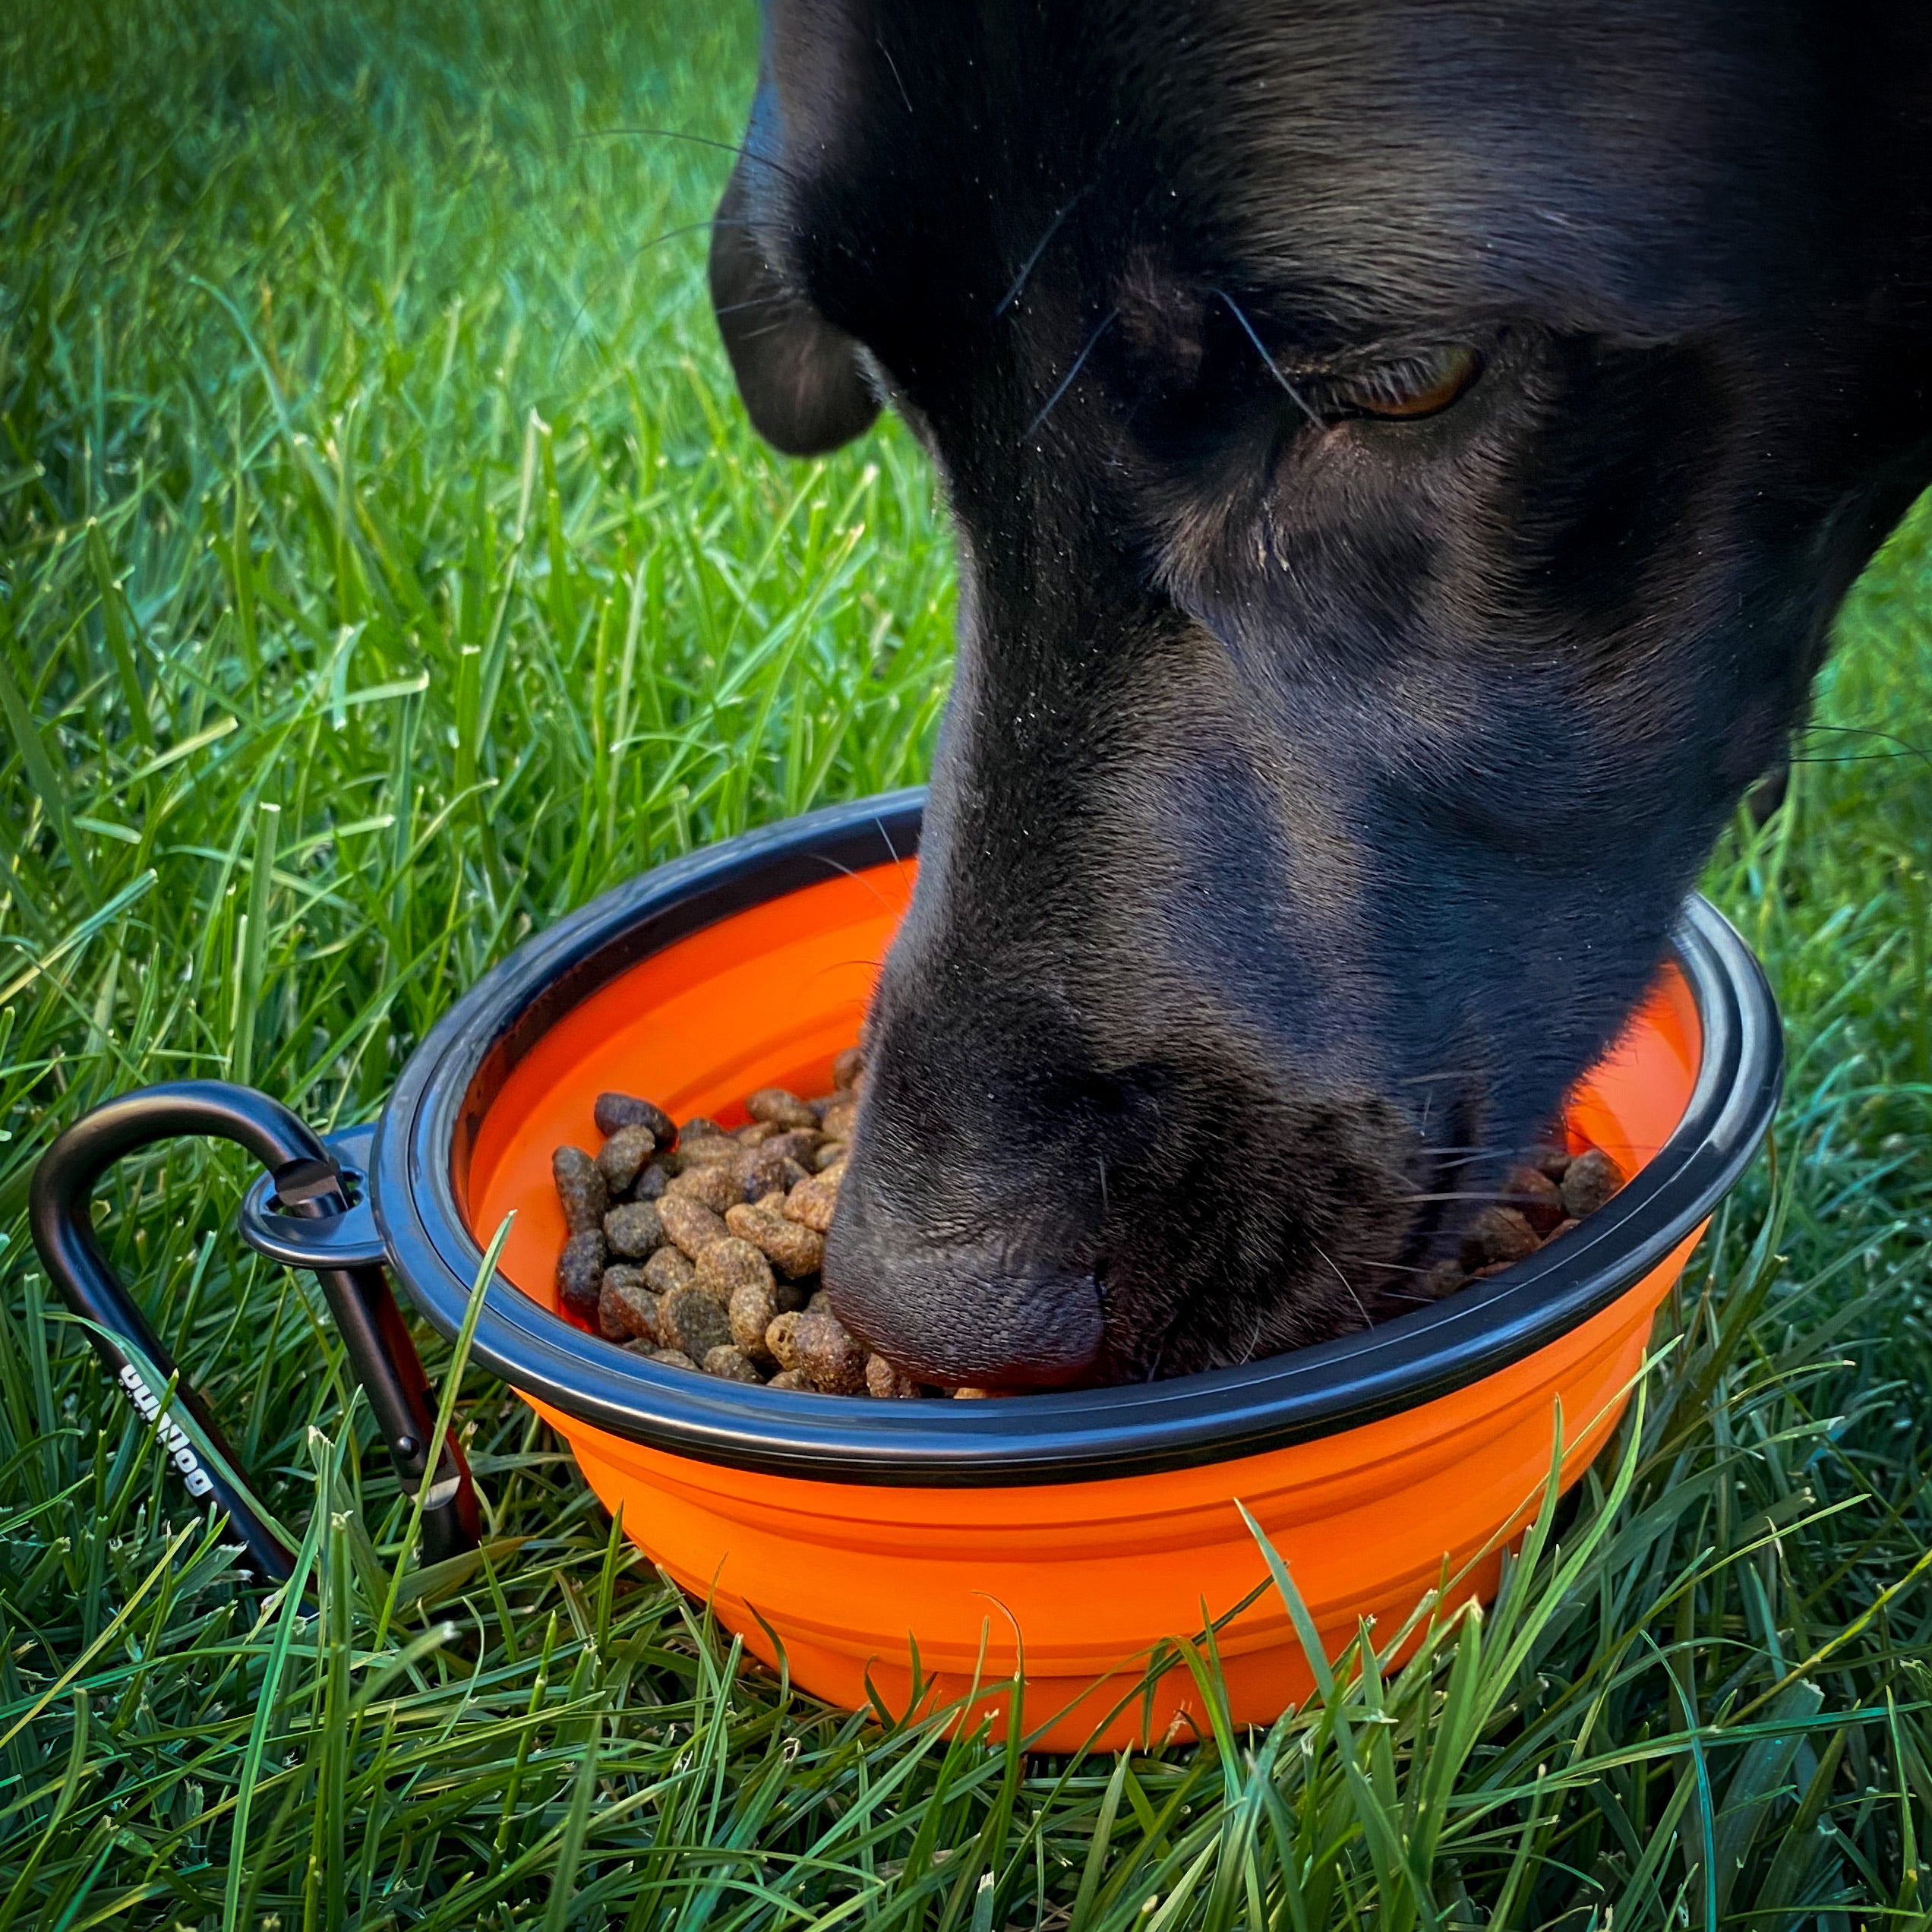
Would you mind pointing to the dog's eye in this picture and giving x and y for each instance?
(1417, 385)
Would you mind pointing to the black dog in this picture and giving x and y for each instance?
(1405, 455)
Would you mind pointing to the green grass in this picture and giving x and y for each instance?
(385, 567)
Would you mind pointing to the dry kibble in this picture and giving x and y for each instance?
(1536, 1197)
(753, 1308)
(1592, 1179)
(715, 1150)
(727, 1266)
(581, 1188)
(811, 1203)
(1552, 1163)
(621, 1158)
(691, 1225)
(887, 1383)
(769, 1169)
(700, 1249)
(690, 1319)
(826, 1352)
(782, 1339)
(781, 1105)
(627, 1305)
(669, 1267)
(1497, 1237)
(795, 1250)
(634, 1229)
(580, 1273)
(715, 1185)
(615, 1111)
(777, 1162)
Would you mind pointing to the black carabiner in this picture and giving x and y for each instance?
(309, 1185)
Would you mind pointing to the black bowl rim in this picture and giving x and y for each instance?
(1079, 1436)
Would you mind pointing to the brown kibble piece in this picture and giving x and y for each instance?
(706, 1150)
(1552, 1162)
(1444, 1278)
(690, 1319)
(580, 1273)
(769, 1170)
(1497, 1237)
(795, 1250)
(781, 1105)
(756, 1133)
(727, 1266)
(794, 1380)
(826, 1352)
(1534, 1197)
(971, 1394)
(626, 1305)
(846, 1067)
(832, 1155)
(615, 1111)
(777, 1162)
(1558, 1232)
(701, 1127)
(1591, 1180)
(1494, 1267)
(650, 1185)
(839, 1120)
(580, 1187)
(691, 1225)
(666, 1358)
(621, 1158)
(730, 1365)
(634, 1229)
(782, 1339)
(753, 1308)
(887, 1383)
(669, 1267)
(715, 1185)
(811, 1203)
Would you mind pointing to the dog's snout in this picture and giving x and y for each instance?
(966, 1314)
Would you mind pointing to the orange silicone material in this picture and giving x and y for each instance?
(1086, 1579)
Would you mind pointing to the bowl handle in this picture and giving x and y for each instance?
(310, 1186)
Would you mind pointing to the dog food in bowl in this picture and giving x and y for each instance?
(699, 1247)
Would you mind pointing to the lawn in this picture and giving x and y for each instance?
(385, 567)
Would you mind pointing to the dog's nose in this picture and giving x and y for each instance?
(965, 1314)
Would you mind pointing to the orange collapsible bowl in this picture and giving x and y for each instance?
(1075, 1531)
(916, 1551)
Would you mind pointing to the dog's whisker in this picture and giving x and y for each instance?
(1296, 396)
(1032, 261)
(1066, 381)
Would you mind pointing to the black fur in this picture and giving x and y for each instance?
(1317, 790)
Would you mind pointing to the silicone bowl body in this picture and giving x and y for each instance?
(918, 1550)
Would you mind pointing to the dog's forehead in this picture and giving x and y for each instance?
(1611, 161)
